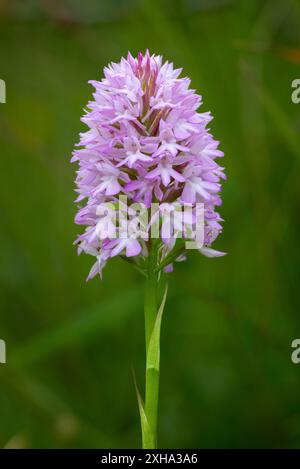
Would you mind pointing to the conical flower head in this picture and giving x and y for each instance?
(146, 144)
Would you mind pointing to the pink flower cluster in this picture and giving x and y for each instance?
(147, 141)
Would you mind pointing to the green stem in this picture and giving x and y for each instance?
(150, 296)
(152, 375)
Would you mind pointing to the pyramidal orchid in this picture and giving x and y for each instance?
(148, 186)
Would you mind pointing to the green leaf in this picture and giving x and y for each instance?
(147, 436)
(153, 355)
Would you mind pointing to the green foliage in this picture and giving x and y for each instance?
(227, 379)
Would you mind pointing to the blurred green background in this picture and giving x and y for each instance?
(227, 377)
